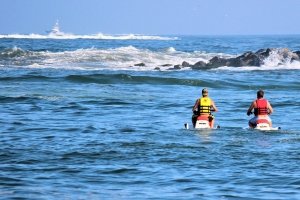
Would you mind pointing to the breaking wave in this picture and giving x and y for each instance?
(278, 59)
(98, 36)
(132, 58)
(124, 58)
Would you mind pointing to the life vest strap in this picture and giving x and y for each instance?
(205, 109)
(261, 107)
(204, 106)
(262, 111)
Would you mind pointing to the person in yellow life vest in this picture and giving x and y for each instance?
(204, 106)
(262, 109)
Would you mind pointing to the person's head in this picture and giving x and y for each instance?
(205, 92)
(260, 94)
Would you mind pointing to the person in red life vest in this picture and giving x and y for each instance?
(262, 109)
(204, 106)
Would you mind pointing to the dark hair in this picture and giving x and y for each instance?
(260, 94)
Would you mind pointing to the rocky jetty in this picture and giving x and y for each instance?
(258, 58)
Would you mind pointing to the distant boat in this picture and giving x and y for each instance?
(55, 30)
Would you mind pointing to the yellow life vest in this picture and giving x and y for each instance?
(204, 105)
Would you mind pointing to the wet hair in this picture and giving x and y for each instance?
(260, 94)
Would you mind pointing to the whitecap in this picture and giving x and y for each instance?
(98, 36)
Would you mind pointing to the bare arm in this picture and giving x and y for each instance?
(270, 109)
(195, 107)
(250, 108)
(214, 107)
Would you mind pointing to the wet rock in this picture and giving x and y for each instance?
(297, 52)
(264, 53)
(246, 59)
(157, 68)
(216, 62)
(249, 59)
(177, 67)
(199, 65)
(296, 55)
(185, 64)
(288, 55)
(140, 64)
(166, 65)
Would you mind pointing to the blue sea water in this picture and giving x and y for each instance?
(79, 119)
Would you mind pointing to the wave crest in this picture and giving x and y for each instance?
(98, 36)
(280, 57)
(132, 58)
(13, 52)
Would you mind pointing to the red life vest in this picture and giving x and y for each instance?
(261, 107)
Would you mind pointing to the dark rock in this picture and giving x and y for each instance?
(264, 53)
(157, 68)
(140, 64)
(249, 59)
(297, 55)
(246, 59)
(216, 62)
(297, 52)
(177, 67)
(199, 65)
(166, 65)
(185, 64)
(287, 54)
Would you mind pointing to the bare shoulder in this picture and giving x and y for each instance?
(212, 102)
(253, 105)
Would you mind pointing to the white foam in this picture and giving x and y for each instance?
(170, 50)
(278, 59)
(127, 58)
(124, 58)
(295, 65)
(98, 36)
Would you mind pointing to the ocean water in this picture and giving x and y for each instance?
(80, 120)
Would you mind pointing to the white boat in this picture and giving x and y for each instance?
(55, 31)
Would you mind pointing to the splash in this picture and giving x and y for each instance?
(279, 57)
(132, 58)
(125, 58)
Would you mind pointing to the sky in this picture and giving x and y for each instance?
(152, 17)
